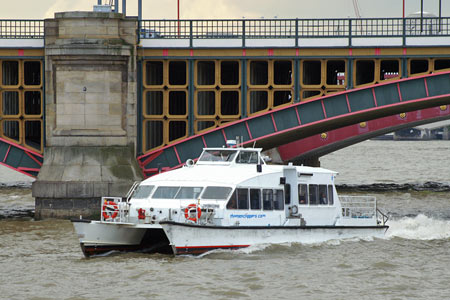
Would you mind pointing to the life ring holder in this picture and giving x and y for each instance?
(106, 209)
(188, 209)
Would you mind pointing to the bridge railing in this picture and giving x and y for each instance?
(295, 28)
(21, 29)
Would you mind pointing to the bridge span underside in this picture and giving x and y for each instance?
(321, 144)
(299, 121)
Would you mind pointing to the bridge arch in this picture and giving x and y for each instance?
(305, 119)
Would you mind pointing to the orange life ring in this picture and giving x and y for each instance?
(188, 209)
(110, 210)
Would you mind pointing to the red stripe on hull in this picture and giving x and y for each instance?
(203, 249)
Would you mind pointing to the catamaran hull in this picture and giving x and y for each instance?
(101, 237)
(195, 239)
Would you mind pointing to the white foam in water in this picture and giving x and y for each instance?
(253, 248)
(420, 227)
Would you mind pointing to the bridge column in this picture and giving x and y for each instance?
(90, 113)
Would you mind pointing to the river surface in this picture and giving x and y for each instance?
(43, 260)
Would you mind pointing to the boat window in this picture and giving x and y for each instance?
(323, 198)
(313, 190)
(165, 192)
(278, 201)
(143, 191)
(242, 198)
(267, 199)
(302, 194)
(216, 192)
(218, 155)
(330, 195)
(232, 203)
(247, 157)
(287, 193)
(188, 192)
(255, 198)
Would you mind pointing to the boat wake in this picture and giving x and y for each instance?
(419, 227)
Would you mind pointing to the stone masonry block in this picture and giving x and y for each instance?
(94, 203)
(101, 189)
(73, 108)
(115, 87)
(62, 204)
(97, 108)
(60, 189)
(79, 203)
(115, 109)
(70, 121)
(41, 189)
(112, 30)
(90, 172)
(80, 189)
(128, 24)
(70, 97)
(72, 173)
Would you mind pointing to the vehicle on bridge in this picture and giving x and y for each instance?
(229, 199)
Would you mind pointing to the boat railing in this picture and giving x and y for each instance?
(359, 207)
(114, 209)
(384, 217)
(131, 190)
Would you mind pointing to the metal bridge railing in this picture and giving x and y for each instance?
(295, 28)
(21, 29)
(262, 28)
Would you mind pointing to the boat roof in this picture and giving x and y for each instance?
(223, 175)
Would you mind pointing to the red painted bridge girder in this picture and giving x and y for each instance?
(19, 158)
(327, 142)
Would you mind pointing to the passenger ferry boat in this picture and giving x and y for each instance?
(230, 198)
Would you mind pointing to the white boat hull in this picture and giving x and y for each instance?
(101, 237)
(195, 239)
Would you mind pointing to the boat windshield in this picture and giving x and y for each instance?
(188, 192)
(216, 192)
(177, 192)
(247, 157)
(143, 191)
(218, 155)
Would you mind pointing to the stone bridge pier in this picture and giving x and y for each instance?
(90, 109)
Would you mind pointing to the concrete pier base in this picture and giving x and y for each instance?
(72, 180)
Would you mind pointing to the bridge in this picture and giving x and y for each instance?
(299, 88)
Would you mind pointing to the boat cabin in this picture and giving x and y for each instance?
(235, 187)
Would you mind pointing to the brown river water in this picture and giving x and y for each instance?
(43, 260)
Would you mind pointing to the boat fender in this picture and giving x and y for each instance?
(110, 210)
(188, 209)
(141, 214)
(189, 163)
